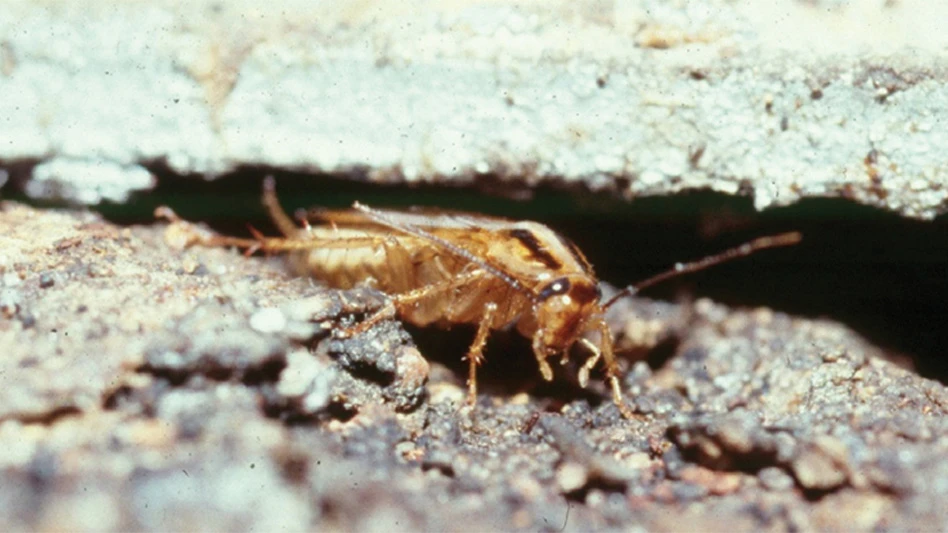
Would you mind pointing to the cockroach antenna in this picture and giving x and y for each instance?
(748, 248)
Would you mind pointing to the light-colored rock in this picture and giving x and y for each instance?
(780, 101)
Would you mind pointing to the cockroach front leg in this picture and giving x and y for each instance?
(605, 350)
(617, 397)
(612, 377)
(540, 352)
(475, 354)
(590, 363)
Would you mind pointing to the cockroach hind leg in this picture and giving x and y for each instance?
(181, 234)
(280, 219)
(166, 213)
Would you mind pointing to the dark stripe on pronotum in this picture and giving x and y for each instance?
(528, 239)
(577, 255)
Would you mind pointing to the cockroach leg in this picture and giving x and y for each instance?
(611, 371)
(590, 363)
(475, 353)
(389, 310)
(385, 312)
(190, 234)
(617, 397)
(605, 349)
(280, 219)
(398, 259)
(166, 213)
(540, 352)
(183, 234)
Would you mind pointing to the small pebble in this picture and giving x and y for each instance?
(774, 478)
(27, 319)
(268, 320)
(571, 476)
(306, 380)
(9, 302)
(46, 280)
(822, 466)
(189, 265)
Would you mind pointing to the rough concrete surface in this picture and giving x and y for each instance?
(145, 387)
(778, 100)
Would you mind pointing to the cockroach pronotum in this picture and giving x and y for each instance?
(444, 267)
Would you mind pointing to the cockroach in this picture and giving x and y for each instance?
(445, 268)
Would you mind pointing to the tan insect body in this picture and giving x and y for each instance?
(446, 268)
(451, 268)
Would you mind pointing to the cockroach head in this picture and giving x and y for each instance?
(563, 308)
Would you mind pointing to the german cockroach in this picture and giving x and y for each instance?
(445, 268)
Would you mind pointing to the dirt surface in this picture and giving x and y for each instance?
(148, 388)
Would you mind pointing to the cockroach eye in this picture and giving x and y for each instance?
(559, 286)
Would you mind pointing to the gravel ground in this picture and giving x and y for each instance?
(149, 388)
